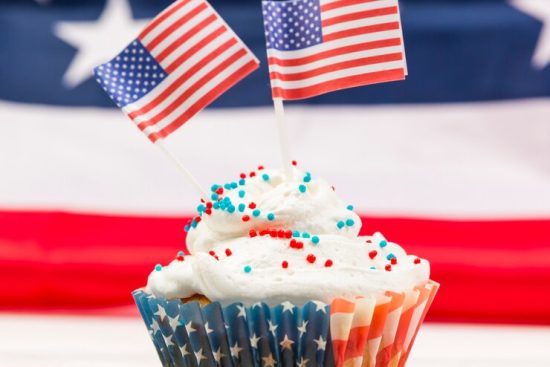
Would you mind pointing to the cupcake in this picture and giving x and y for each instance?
(276, 274)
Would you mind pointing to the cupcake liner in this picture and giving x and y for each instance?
(366, 331)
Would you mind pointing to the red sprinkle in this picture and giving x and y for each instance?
(219, 191)
(288, 234)
(211, 253)
(417, 261)
(328, 263)
(264, 232)
(294, 163)
(202, 200)
(388, 267)
(284, 264)
(296, 245)
(179, 258)
(242, 175)
(252, 205)
(393, 261)
(281, 233)
(373, 254)
(209, 204)
(228, 252)
(198, 219)
(245, 218)
(260, 168)
(252, 174)
(216, 257)
(273, 233)
(208, 211)
(311, 258)
(252, 233)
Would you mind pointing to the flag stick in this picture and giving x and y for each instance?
(183, 170)
(283, 139)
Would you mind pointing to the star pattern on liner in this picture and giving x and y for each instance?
(189, 328)
(272, 327)
(184, 351)
(320, 306)
(169, 341)
(254, 341)
(218, 355)
(207, 329)
(199, 356)
(287, 306)
(242, 312)
(161, 313)
(174, 322)
(321, 343)
(269, 361)
(235, 350)
(302, 363)
(539, 10)
(257, 304)
(155, 326)
(286, 343)
(302, 328)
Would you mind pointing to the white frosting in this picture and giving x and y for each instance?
(354, 270)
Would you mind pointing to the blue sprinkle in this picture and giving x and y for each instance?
(350, 222)
(270, 216)
(340, 224)
(194, 224)
(158, 267)
(390, 256)
(234, 185)
(242, 181)
(180, 253)
(231, 209)
(307, 178)
(256, 212)
(265, 177)
(383, 243)
(349, 207)
(242, 207)
(227, 186)
(302, 188)
(201, 208)
(241, 194)
(373, 267)
(216, 205)
(214, 187)
(186, 228)
(295, 234)
(315, 239)
(222, 204)
(227, 200)
(247, 269)
(214, 196)
(305, 235)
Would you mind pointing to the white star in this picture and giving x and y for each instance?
(254, 341)
(184, 351)
(168, 341)
(303, 362)
(155, 326)
(189, 328)
(287, 306)
(235, 350)
(257, 304)
(174, 322)
(242, 312)
(321, 343)
(99, 40)
(320, 306)
(161, 313)
(286, 343)
(272, 327)
(269, 361)
(199, 356)
(540, 10)
(207, 329)
(218, 355)
(302, 328)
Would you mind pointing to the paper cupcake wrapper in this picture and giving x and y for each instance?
(366, 331)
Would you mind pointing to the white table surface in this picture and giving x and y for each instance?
(76, 341)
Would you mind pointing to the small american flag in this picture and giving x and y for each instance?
(319, 46)
(182, 61)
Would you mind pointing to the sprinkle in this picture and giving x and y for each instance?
(158, 267)
(265, 177)
(180, 253)
(198, 219)
(271, 216)
(302, 188)
(216, 205)
(307, 178)
(256, 212)
(208, 211)
(219, 191)
(260, 168)
(228, 252)
(383, 243)
(296, 234)
(315, 240)
(273, 233)
(252, 205)
(288, 234)
(211, 253)
(373, 254)
(214, 188)
(311, 258)
(373, 267)
(194, 224)
(234, 185)
(349, 207)
(417, 261)
(305, 235)
(227, 186)
(284, 264)
(281, 233)
(340, 224)
(388, 267)
(186, 228)
(201, 208)
(242, 193)
(214, 196)
(393, 261)
(328, 263)
(252, 233)
(209, 205)
(264, 232)
(350, 222)
(390, 256)
(179, 258)
(252, 174)
(296, 244)
(294, 163)
(242, 207)
(247, 269)
(242, 176)
(245, 218)
(231, 209)
(242, 182)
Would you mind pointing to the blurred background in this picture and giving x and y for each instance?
(453, 164)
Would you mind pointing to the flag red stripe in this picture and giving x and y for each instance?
(174, 26)
(335, 52)
(343, 3)
(361, 30)
(337, 66)
(341, 83)
(182, 39)
(194, 69)
(359, 15)
(205, 100)
(161, 18)
(193, 88)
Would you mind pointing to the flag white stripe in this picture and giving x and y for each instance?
(187, 64)
(335, 59)
(169, 21)
(360, 23)
(197, 38)
(357, 8)
(303, 83)
(212, 84)
(168, 41)
(330, 45)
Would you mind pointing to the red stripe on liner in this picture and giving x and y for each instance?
(343, 3)
(341, 83)
(359, 15)
(335, 52)
(361, 30)
(371, 60)
(161, 18)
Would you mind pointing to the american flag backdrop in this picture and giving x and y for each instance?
(452, 162)
(319, 46)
